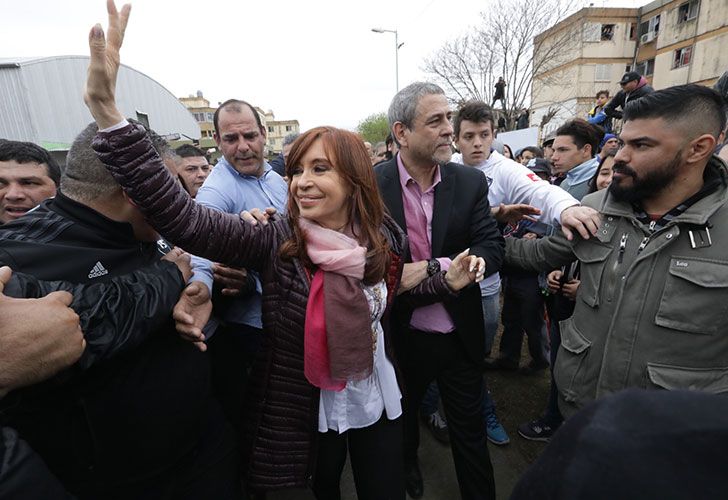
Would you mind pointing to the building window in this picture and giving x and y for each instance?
(288, 128)
(607, 32)
(682, 57)
(687, 11)
(603, 73)
(649, 29)
(270, 128)
(209, 117)
(645, 68)
(633, 31)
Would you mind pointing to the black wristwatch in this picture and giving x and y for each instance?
(433, 267)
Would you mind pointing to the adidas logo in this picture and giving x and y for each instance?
(98, 271)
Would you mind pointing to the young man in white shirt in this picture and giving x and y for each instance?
(514, 192)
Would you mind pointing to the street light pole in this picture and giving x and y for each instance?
(397, 45)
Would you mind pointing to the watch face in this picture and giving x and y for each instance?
(433, 267)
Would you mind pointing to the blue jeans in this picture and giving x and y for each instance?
(491, 313)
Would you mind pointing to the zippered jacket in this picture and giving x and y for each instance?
(652, 305)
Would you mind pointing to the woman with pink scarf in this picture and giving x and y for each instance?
(325, 381)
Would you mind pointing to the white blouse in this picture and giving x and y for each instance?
(361, 403)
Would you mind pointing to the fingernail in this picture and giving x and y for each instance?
(97, 31)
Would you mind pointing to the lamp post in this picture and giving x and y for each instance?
(397, 45)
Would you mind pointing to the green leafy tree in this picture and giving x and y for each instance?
(374, 128)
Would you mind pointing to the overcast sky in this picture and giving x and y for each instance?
(316, 61)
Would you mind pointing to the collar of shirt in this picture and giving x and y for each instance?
(266, 169)
(405, 177)
(582, 172)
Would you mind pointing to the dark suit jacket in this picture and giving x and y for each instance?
(461, 219)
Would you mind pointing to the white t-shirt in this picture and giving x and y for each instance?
(510, 183)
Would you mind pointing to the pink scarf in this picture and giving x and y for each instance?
(338, 340)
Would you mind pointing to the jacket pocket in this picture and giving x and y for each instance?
(592, 257)
(712, 380)
(695, 296)
(570, 360)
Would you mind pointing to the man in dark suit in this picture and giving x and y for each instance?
(444, 208)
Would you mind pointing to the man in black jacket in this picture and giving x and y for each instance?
(33, 351)
(141, 424)
(444, 208)
(633, 86)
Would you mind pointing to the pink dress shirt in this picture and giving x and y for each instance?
(418, 208)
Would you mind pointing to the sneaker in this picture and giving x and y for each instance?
(438, 427)
(537, 430)
(495, 431)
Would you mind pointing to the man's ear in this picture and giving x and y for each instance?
(700, 148)
(398, 132)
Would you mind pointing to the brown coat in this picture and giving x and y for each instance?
(281, 414)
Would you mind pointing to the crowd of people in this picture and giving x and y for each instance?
(203, 332)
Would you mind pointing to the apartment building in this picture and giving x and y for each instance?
(670, 42)
(683, 41)
(278, 130)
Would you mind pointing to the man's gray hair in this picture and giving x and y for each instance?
(85, 177)
(404, 104)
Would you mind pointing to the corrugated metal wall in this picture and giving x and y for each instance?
(15, 120)
(44, 101)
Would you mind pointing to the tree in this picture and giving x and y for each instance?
(374, 128)
(505, 43)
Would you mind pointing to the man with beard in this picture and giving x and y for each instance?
(650, 310)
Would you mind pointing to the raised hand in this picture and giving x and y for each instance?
(464, 270)
(100, 92)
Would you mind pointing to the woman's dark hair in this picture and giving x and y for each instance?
(510, 151)
(347, 154)
(593, 180)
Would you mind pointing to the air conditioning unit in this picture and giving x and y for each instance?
(648, 37)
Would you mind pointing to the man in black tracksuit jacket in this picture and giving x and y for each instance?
(141, 423)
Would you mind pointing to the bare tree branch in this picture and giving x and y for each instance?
(504, 44)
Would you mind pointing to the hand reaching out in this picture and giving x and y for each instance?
(464, 270)
(192, 312)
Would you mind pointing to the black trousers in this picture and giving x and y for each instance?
(376, 461)
(523, 308)
(425, 357)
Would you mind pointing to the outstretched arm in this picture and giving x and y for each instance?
(128, 154)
